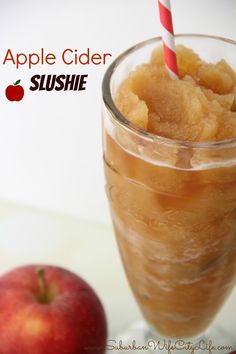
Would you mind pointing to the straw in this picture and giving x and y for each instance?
(168, 39)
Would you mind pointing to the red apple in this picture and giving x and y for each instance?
(49, 310)
(15, 92)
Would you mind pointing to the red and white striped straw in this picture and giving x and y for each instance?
(168, 38)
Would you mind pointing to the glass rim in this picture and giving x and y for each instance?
(124, 122)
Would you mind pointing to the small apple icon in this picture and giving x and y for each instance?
(15, 92)
(49, 310)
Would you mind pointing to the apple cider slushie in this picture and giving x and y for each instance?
(171, 183)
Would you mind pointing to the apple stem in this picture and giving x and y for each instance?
(42, 285)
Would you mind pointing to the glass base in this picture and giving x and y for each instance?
(139, 338)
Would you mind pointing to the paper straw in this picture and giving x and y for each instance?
(168, 38)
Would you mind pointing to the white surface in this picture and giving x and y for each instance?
(50, 143)
(86, 248)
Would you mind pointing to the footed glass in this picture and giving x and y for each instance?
(173, 207)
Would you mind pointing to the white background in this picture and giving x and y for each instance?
(50, 143)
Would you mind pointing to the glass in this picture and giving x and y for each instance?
(173, 207)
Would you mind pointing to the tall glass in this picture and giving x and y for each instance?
(173, 206)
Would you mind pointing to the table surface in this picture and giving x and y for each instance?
(36, 236)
